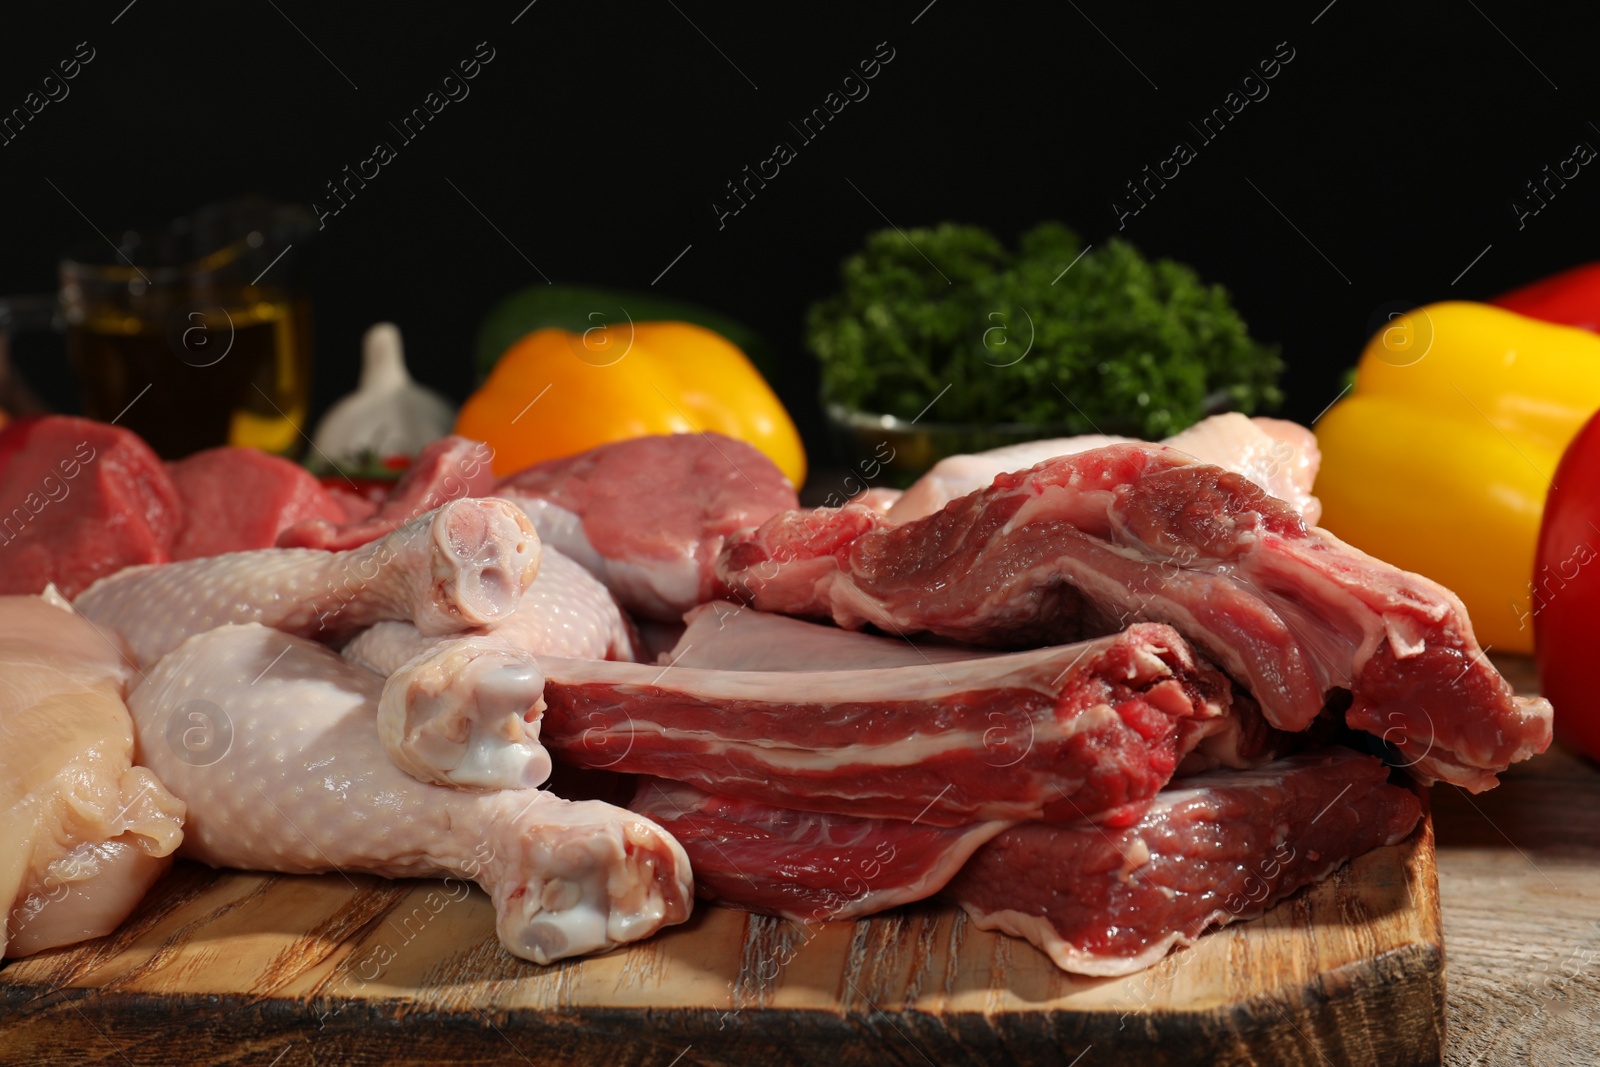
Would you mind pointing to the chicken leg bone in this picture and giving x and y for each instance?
(305, 786)
(466, 713)
(565, 612)
(460, 566)
(464, 710)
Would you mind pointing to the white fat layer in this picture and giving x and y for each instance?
(1406, 636)
(724, 636)
(904, 752)
(1200, 786)
(1044, 670)
(53, 597)
(1036, 929)
(1084, 508)
(956, 476)
(1279, 457)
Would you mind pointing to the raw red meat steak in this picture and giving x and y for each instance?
(803, 865)
(1210, 850)
(238, 499)
(1083, 544)
(1055, 733)
(647, 516)
(79, 500)
(450, 468)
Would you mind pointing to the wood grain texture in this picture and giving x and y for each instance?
(230, 967)
(1519, 874)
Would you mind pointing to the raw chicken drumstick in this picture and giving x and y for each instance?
(464, 710)
(466, 713)
(449, 469)
(462, 565)
(85, 832)
(306, 787)
(565, 612)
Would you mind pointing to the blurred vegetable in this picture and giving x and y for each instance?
(1440, 460)
(609, 383)
(1571, 297)
(1566, 592)
(567, 307)
(388, 416)
(1110, 340)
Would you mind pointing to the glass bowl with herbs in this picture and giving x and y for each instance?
(941, 341)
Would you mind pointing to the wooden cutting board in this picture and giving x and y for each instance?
(281, 971)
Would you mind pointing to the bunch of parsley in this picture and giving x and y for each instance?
(1117, 343)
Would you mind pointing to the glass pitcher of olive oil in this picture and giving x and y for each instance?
(198, 334)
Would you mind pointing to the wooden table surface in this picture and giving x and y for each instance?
(1519, 888)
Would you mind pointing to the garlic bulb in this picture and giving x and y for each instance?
(389, 414)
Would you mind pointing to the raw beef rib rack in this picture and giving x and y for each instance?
(1057, 732)
(1086, 543)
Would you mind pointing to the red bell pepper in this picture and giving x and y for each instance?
(1566, 592)
(1571, 298)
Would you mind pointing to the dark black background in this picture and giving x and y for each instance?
(599, 135)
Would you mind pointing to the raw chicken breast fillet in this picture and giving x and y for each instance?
(84, 832)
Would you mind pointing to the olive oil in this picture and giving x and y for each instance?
(230, 366)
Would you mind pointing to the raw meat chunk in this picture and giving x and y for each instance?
(236, 499)
(803, 865)
(79, 500)
(1217, 849)
(1083, 544)
(1279, 456)
(355, 505)
(726, 636)
(449, 469)
(648, 516)
(1056, 733)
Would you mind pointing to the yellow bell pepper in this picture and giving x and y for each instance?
(1440, 458)
(555, 393)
